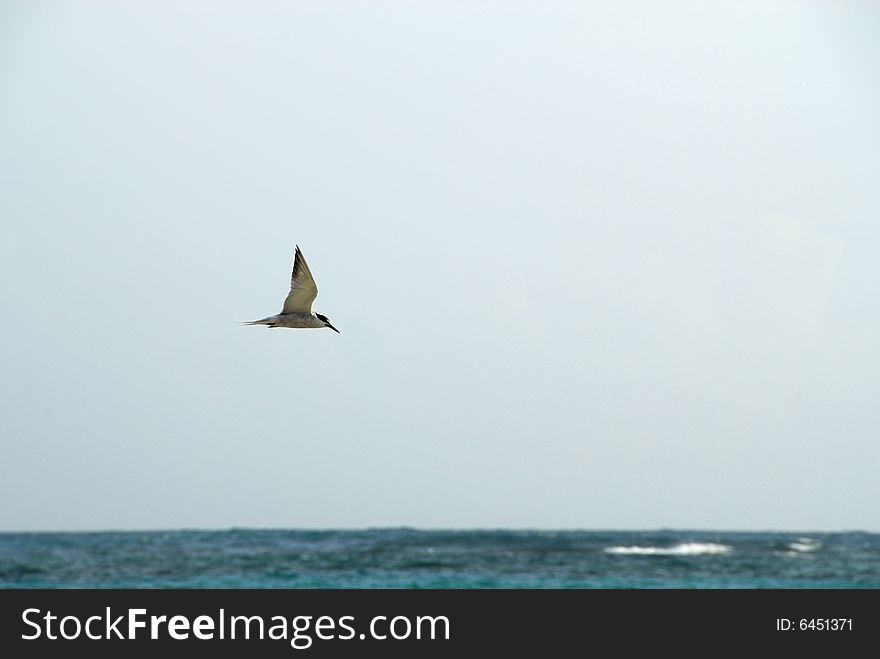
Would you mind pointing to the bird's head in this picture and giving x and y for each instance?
(326, 322)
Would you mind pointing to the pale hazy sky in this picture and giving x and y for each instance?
(596, 265)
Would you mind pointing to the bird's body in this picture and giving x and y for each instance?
(297, 311)
(294, 320)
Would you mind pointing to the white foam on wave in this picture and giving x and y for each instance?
(803, 545)
(681, 549)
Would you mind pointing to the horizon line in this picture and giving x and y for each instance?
(437, 529)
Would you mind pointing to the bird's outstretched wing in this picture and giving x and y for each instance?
(303, 289)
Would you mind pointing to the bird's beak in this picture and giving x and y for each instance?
(333, 328)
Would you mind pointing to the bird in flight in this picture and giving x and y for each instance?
(297, 311)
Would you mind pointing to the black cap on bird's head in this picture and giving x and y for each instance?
(326, 322)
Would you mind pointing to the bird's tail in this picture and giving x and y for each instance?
(263, 321)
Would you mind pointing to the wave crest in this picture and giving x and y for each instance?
(804, 545)
(681, 549)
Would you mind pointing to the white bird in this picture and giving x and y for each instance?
(297, 311)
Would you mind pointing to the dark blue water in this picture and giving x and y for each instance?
(406, 558)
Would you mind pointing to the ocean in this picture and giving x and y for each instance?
(409, 558)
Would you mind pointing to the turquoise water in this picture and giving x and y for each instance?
(407, 558)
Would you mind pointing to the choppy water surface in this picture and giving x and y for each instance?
(406, 558)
